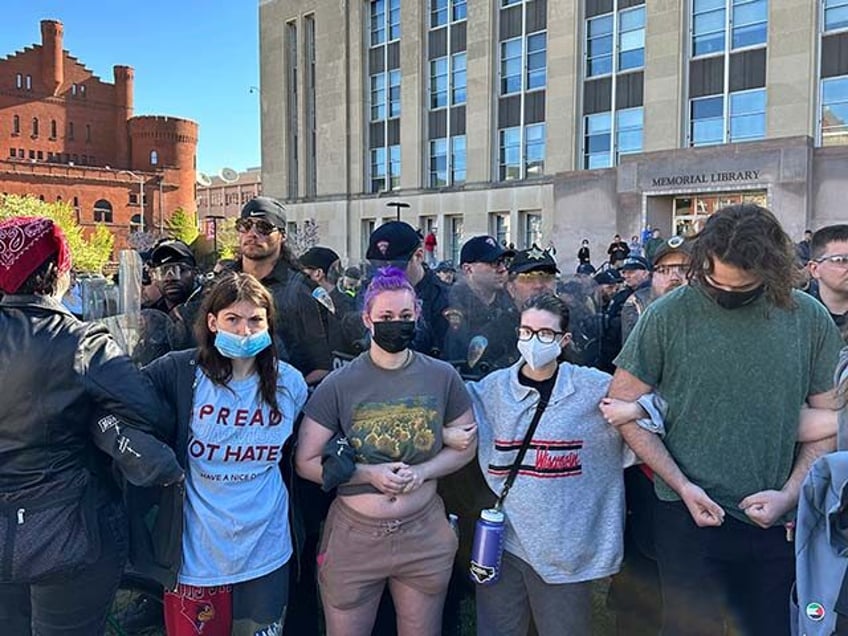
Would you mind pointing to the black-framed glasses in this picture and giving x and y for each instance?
(243, 226)
(545, 336)
(839, 260)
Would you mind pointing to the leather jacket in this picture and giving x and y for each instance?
(56, 375)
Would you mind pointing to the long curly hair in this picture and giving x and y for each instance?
(749, 237)
(230, 288)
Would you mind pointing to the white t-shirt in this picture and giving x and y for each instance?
(236, 508)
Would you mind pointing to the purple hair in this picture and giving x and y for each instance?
(387, 279)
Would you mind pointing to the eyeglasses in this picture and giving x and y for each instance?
(545, 336)
(668, 270)
(839, 260)
(243, 226)
(164, 272)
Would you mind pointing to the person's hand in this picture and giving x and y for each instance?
(387, 478)
(414, 479)
(619, 412)
(766, 507)
(459, 437)
(705, 512)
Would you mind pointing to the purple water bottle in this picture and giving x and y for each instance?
(487, 549)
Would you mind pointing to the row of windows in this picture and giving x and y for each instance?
(35, 128)
(52, 157)
(24, 82)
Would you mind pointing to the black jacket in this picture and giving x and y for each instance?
(156, 514)
(300, 326)
(56, 375)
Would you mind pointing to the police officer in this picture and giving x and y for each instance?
(400, 245)
(636, 272)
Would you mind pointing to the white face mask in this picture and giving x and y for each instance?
(538, 354)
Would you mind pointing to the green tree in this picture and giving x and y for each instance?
(89, 254)
(182, 225)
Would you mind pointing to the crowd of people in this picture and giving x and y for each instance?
(294, 446)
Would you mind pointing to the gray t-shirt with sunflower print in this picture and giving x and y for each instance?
(388, 415)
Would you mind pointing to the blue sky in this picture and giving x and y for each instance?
(192, 58)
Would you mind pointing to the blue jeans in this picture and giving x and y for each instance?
(72, 603)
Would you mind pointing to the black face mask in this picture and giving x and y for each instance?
(733, 299)
(394, 336)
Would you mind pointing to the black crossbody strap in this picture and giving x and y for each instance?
(513, 471)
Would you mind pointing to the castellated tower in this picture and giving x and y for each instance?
(52, 55)
(123, 112)
(168, 144)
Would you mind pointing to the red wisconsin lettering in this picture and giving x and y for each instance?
(223, 414)
(241, 417)
(206, 409)
(544, 460)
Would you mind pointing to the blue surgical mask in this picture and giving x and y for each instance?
(230, 345)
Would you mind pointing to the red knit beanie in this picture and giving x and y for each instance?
(26, 243)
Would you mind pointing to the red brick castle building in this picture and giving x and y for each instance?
(71, 136)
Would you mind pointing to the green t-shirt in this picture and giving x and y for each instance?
(735, 381)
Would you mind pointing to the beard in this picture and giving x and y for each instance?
(256, 252)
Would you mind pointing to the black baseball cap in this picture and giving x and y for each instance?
(265, 208)
(533, 260)
(635, 262)
(445, 266)
(607, 277)
(318, 258)
(674, 245)
(393, 241)
(172, 251)
(482, 249)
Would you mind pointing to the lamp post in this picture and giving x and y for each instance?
(397, 205)
(140, 193)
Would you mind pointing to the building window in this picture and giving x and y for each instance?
(748, 24)
(438, 163)
(707, 121)
(385, 87)
(455, 232)
(499, 227)
(834, 111)
(835, 15)
(16, 125)
(19, 81)
(71, 130)
(628, 131)
(35, 126)
(511, 66)
(534, 154)
(536, 61)
(39, 155)
(73, 90)
(747, 115)
(631, 39)
(13, 152)
(438, 83)
(458, 159)
(599, 46)
(154, 158)
(29, 82)
(88, 132)
(510, 154)
(458, 78)
(597, 143)
(32, 154)
(53, 129)
(459, 11)
(292, 123)
(82, 90)
(102, 211)
(532, 229)
(438, 13)
(311, 126)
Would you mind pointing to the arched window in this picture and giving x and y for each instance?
(154, 158)
(88, 132)
(35, 126)
(102, 211)
(29, 82)
(53, 129)
(19, 81)
(16, 125)
(70, 130)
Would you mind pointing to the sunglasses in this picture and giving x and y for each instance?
(165, 272)
(243, 226)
